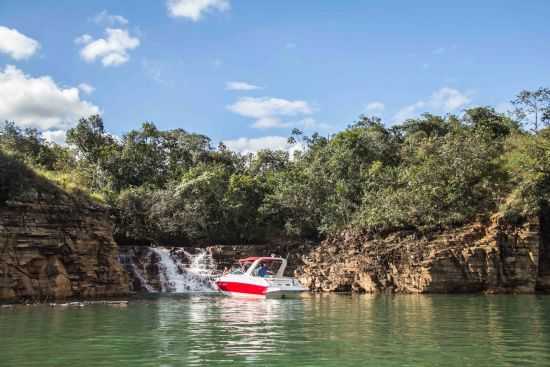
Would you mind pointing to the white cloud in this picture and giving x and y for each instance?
(55, 136)
(448, 99)
(84, 39)
(86, 88)
(40, 102)
(253, 145)
(112, 50)
(17, 45)
(194, 9)
(375, 107)
(268, 112)
(109, 19)
(240, 86)
(444, 100)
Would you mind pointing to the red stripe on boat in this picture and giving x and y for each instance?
(241, 288)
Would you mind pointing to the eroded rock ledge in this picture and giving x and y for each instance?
(491, 258)
(56, 251)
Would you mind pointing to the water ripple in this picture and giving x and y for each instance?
(316, 330)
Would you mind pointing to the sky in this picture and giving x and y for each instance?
(246, 71)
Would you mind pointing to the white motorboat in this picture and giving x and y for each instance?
(259, 277)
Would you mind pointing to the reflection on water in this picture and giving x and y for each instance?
(316, 330)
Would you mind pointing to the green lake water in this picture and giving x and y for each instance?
(316, 330)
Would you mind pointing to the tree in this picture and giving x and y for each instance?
(534, 106)
(265, 161)
(487, 121)
(97, 151)
(294, 136)
(442, 181)
(427, 125)
(89, 138)
(30, 146)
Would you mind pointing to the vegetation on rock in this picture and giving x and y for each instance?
(427, 172)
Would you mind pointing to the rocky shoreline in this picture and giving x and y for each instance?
(476, 258)
(67, 251)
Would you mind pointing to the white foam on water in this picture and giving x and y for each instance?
(177, 278)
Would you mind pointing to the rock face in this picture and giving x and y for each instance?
(493, 258)
(54, 249)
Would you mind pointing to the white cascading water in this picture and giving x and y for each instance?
(177, 278)
(201, 263)
(128, 262)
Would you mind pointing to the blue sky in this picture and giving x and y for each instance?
(317, 65)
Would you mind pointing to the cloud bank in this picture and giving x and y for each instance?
(39, 102)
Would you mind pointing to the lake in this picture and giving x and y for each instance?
(315, 330)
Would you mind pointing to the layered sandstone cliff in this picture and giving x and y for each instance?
(57, 251)
(491, 258)
(55, 245)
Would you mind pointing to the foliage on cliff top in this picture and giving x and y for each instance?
(33, 170)
(428, 172)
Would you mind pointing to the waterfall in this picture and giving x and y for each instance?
(175, 277)
(201, 263)
(128, 262)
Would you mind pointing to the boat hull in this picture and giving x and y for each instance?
(255, 287)
(271, 295)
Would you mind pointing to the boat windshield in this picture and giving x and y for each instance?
(239, 269)
(271, 268)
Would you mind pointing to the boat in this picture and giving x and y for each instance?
(259, 277)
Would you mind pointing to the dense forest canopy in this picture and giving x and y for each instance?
(425, 173)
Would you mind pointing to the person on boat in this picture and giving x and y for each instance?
(263, 271)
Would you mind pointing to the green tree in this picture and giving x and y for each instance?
(531, 106)
(30, 146)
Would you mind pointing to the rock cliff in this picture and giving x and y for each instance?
(58, 251)
(491, 258)
(54, 245)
